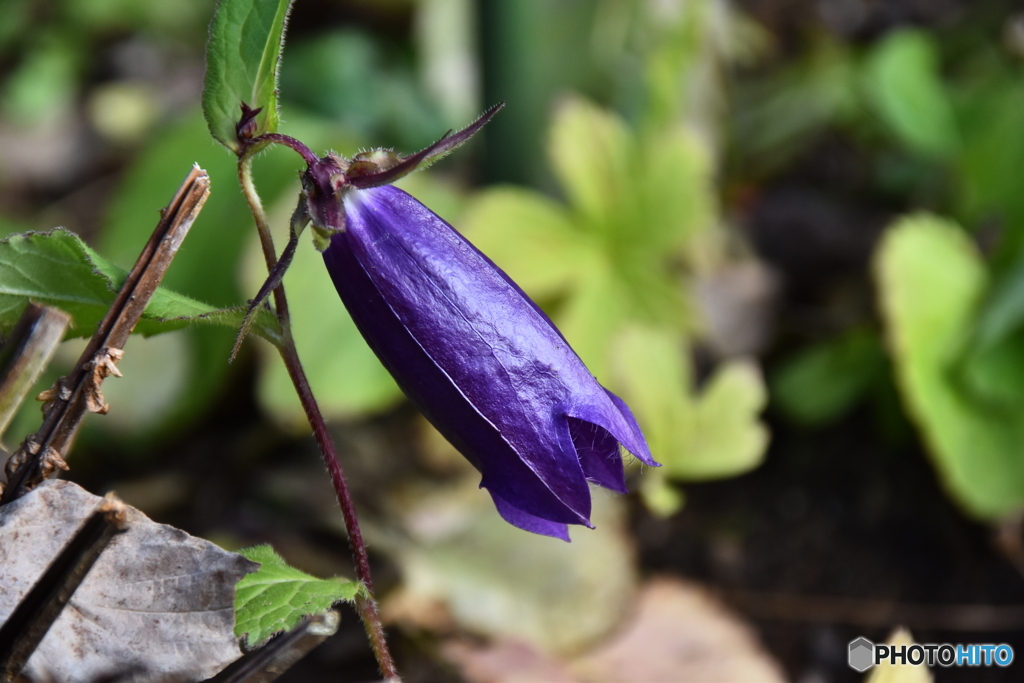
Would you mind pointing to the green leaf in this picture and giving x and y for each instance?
(903, 82)
(931, 281)
(822, 382)
(674, 196)
(729, 438)
(590, 150)
(242, 58)
(713, 434)
(993, 128)
(58, 269)
(276, 597)
(528, 236)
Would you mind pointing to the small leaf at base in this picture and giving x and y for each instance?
(277, 596)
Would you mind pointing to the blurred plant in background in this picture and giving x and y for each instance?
(940, 123)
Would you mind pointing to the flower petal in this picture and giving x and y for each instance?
(599, 454)
(468, 347)
(518, 518)
(612, 413)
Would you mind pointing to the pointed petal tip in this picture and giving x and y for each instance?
(528, 522)
(637, 447)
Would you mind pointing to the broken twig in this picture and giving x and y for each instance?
(26, 354)
(278, 655)
(73, 396)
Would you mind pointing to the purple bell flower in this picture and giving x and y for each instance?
(482, 362)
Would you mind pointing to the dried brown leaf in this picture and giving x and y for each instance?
(158, 602)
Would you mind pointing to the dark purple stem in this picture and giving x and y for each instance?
(280, 139)
(366, 605)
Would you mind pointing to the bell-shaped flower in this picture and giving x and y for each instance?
(481, 360)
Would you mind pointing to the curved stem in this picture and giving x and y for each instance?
(367, 606)
(286, 140)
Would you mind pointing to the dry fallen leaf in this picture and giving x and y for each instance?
(677, 633)
(680, 633)
(463, 564)
(158, 602)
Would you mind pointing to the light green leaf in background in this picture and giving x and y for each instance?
(276, 596)
(590, 150)
(728, 438)
(675, 194)
(242, 58)
(931, 281)
(694, 435)
(903, 82)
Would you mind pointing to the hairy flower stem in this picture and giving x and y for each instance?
(366, 605)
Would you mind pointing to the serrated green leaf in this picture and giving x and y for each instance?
(528, 236)
(931, 281)
(242, 58)
(716, 433)
(903, 82)
(58, 269)
(276, 597)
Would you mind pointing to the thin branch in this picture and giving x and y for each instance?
(282, 652)
(26, 354)
(28, 624)
(367, 606)
(78, 393)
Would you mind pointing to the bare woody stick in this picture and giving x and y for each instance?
(283, 651)
(33, 616)
(78, 393)
(26, 354)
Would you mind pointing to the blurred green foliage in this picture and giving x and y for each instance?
(967, 399)
(943, 121)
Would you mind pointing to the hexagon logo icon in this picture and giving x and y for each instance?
(861, 654)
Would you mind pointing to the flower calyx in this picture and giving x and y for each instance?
(327, 179)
